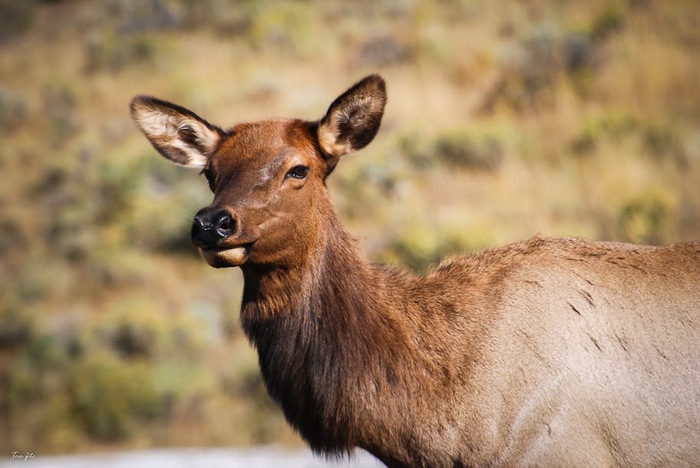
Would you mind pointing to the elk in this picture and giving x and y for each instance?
(549, 352)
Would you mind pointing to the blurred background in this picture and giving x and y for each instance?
(505, 119)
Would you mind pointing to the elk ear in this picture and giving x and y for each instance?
(353, 119)
(177, 133)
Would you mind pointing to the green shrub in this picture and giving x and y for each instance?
(247, 385)
(37, 375)
(421, 246)
(459, 149)
(418, 247)
(13, 110)
(110, 395)
(612, 125)
(416, 151)
(141, 328)
(363, 189)
(168, 199)
(648, 219)
(529, 75)
(107, 379)
(17, 326)
(469, 151)
(663, 143)
(60, 106)
(112, 52)
(281, 26)
(608, 21)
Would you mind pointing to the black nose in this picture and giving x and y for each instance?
(212, 226)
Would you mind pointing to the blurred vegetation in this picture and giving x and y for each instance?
(505, 119)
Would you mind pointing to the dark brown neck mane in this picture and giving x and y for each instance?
(328, 333)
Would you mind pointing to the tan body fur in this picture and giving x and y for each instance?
(587, 354)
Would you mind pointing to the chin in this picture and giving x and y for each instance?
(233, 257)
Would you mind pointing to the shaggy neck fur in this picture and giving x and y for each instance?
(330, 336)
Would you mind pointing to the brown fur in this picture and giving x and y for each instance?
(550, 352)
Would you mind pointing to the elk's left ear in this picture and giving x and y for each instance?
(177, 133)
(353, 119)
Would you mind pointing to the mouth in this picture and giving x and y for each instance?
(226, 257)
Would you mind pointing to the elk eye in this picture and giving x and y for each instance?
(298, 172)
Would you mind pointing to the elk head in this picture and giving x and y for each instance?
(270, 202)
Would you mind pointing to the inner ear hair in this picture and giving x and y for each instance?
(353, 119)
(177, 133)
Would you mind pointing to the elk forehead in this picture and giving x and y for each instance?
(266, 146)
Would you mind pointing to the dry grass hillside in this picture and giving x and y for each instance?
(505, 119)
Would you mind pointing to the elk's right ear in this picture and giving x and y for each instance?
(177, 133)
(353, 119)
